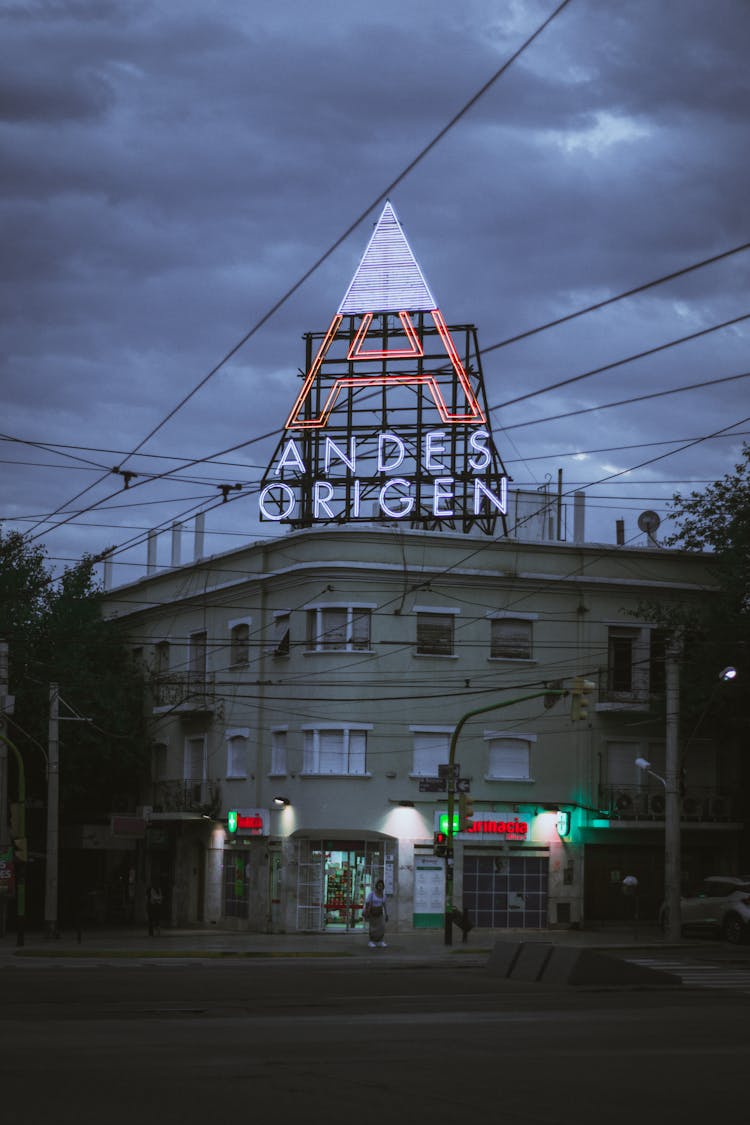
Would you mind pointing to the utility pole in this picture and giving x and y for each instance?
(53, 815)
(4, 829)
(672, 810)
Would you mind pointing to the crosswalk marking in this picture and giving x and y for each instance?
(700, 976)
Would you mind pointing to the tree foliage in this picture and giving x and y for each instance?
(56, 634)
(717, 520)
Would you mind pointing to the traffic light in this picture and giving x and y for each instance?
(579, 706)
(440, 844)
(465, 812)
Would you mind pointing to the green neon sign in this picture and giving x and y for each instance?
(443, 823)
(232, 821)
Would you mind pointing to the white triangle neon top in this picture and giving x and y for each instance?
(387, 278)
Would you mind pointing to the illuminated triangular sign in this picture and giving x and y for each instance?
(387, 280)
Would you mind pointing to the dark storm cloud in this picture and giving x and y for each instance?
(170, 169)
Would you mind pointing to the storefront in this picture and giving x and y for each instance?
(334, 877)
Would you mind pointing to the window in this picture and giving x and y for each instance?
(278, 751)
(335, 751)
(281, 630)
(197, 658)
(435, 634)
(620, 668)
(431, 749)
(239, 642)
(161, 658)
(237, 744)
(636, 663)
(195, 767)
(510, 638)
(509, 756)
(338, 629)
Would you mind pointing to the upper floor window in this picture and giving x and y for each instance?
(239, 642)
(338, 629)
(197, 657)
(431, 750)
(161, 658)
(237, 744)
(635, 663)
(435, 633)
(281, 634)
(278, 751)
(509, 756)
(195, 758)
(335, 751)
(511, 638)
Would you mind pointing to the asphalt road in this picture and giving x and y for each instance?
(314, 1041)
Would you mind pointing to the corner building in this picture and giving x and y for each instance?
(305, 690)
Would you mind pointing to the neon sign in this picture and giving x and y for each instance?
(247, 822)
(391, 421)
(488, 826)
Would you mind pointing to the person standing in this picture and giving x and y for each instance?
(154, 902)
(376, 914)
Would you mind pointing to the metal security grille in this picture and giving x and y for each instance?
(506, 891)
(310, 887)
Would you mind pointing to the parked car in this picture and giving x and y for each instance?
(721, 904)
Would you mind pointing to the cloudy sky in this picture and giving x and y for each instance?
(172, 168)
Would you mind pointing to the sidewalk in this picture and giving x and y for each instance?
(414, 947)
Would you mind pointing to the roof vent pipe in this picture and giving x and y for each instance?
(151, 552)
(579, 517)
(199, 535)
(620, 533)
(176, 543)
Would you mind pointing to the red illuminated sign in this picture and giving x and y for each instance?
(253, 824)
(516, 827)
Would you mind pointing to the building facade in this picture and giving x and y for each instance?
(305, 690)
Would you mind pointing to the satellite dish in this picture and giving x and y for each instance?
(649, 521)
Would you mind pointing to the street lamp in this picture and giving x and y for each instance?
(729, 673)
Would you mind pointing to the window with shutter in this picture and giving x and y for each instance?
(435, 634)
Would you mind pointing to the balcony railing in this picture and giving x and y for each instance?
(187, 796)
(185, 692)
(634, 802)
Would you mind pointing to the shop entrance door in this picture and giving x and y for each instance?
(347, 882)
(334, 879)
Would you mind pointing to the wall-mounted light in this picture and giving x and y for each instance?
(281, 802)
(563, 823)
(406, 804)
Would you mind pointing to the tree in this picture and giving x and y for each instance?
(717, 520)
(56, 634)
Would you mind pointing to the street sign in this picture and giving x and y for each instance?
(448, 770)
(463, 785)
(432, 785)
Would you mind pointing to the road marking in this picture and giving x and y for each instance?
(700, 976)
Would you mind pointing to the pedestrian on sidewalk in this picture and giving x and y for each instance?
(376, 914)
(154, 901)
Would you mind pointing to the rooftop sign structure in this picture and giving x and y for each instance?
(391, 420)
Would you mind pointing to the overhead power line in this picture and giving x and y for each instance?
(333, 247)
